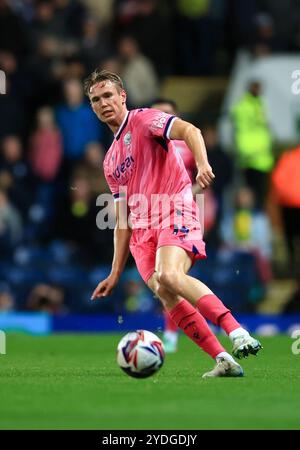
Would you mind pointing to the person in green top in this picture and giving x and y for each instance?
(253, 141)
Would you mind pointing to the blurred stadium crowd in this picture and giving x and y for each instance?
(52, 145)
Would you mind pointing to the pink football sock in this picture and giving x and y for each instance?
(195, 327)
(211, 307)
(170, 325)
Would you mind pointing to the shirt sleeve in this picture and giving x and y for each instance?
(156, 123)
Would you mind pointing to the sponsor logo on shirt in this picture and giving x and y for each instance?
(122, 169)
(159, 122)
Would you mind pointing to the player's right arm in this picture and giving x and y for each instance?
(192, 136)
(122, 234)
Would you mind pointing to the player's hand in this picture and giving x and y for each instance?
(205, 175)
(105, 287)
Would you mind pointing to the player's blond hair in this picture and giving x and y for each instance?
(102, 75)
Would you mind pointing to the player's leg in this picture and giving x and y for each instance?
(143, 248)
(212, 308)
(172, 265)
(196, 328)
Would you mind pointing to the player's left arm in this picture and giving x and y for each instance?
(192, 136)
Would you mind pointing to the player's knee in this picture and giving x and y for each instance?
(166, 297)
(153, 283)
(169, 279)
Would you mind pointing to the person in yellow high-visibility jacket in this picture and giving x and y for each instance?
(253, 141)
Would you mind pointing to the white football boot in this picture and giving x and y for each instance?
(245, 345)
(225, 368)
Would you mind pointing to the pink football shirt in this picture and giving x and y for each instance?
(143, 166)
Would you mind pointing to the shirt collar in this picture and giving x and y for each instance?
(122, 126)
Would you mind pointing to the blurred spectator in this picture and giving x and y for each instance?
(75, 219)
(73, 67)
(283, 13)
(14, 174)
(196, 37)
(265, 39)
(46, 70)
(18, 90)
(45, 23)
(12, 113)
(24, 9)
(286, 193)
(247, 229)
(45, 146)
(112, 64)
(13, 33)
(91, 168)
(139, 18)
(238, 26)
(137, 72)
(95, 43)
(46, 298)
(222, 166)
(70, 15)
(45, 154)
(20, 84)
(253, 141)
(76, 223)
(77, 122)
(7, 302)
(10, 225)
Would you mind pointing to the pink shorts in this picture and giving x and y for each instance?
(144, 244)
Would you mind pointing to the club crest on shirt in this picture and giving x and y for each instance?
(127, 138)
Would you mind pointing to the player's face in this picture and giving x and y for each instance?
(108, 103)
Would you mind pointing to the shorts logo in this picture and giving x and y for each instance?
(127, 138)
(183, 229)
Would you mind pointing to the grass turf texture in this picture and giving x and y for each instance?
(73, 382)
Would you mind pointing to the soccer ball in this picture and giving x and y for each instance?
(140, 354)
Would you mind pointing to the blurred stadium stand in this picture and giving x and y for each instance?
(43, 44)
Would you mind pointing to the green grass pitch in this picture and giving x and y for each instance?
(73, 382)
